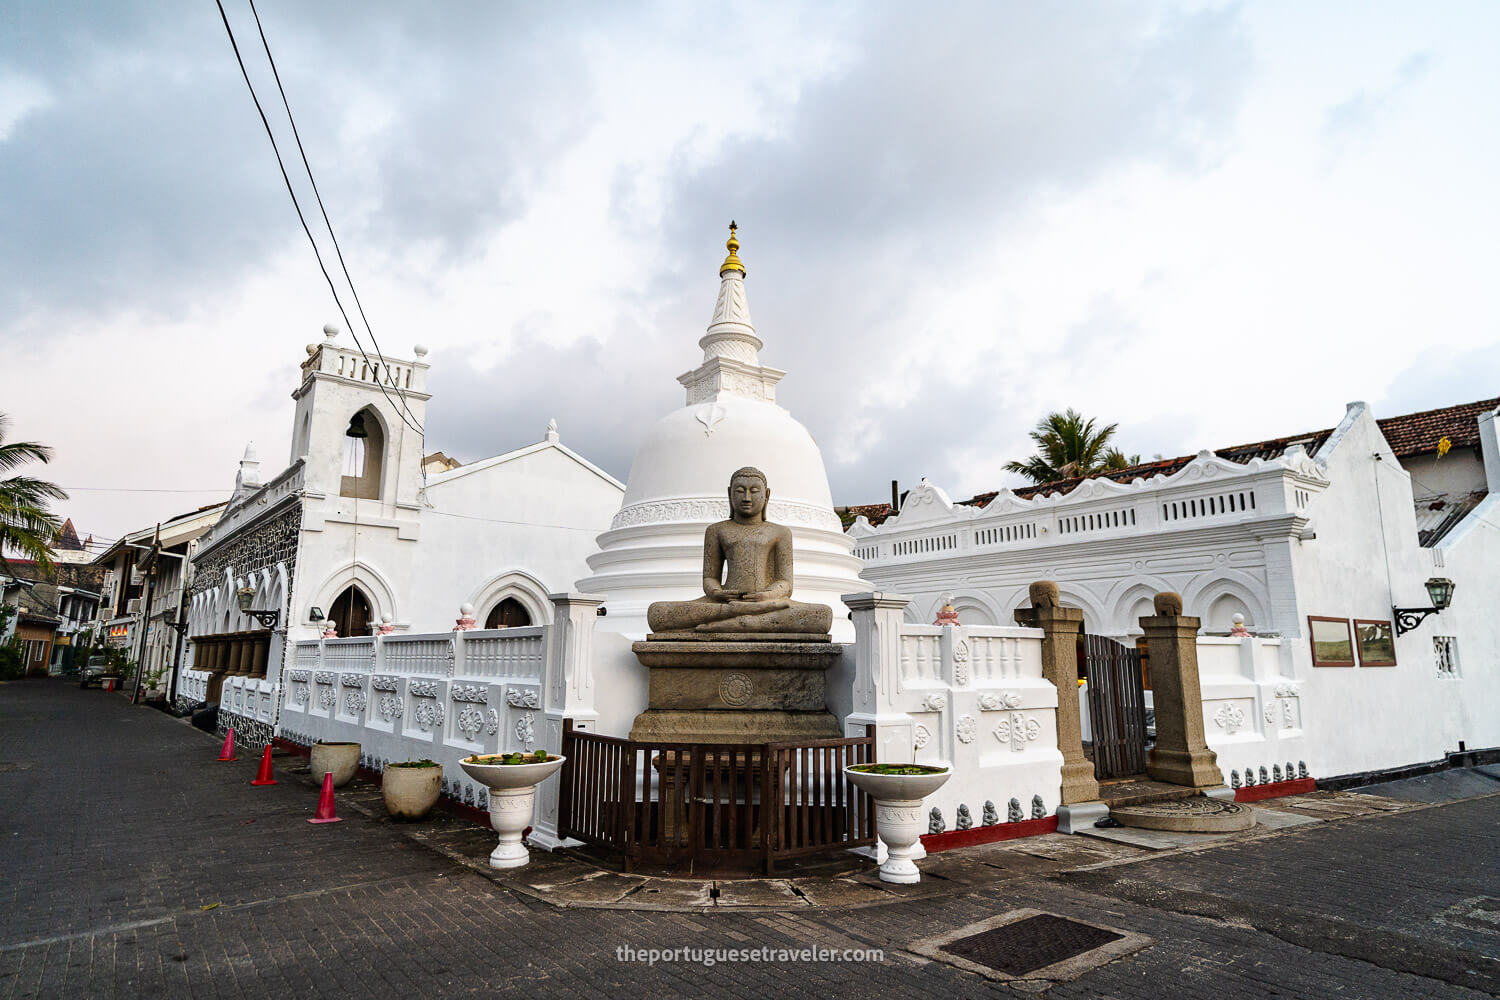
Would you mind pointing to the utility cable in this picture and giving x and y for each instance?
(338, 250)
(296, 205)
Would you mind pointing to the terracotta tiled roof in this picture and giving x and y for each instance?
(875, 513)
(1409, 435)
(1419, 433)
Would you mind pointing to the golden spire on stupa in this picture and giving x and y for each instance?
(732, 262)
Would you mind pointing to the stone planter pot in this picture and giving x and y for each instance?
(898, 816)
(512, 797)
(339, 759)
(410, 792)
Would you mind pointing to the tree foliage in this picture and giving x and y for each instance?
(28, 527)
(1070, 445)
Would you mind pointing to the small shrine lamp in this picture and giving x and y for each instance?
(1439, 590)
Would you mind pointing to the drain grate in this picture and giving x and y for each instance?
(1030, 944)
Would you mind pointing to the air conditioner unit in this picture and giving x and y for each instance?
(133, 606)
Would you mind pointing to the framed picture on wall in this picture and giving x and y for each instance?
(1332, 642)
(1377, 643)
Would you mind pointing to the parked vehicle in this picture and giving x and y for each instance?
(93, 673)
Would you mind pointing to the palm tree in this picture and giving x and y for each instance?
(1069, 446)
(27, 525)
(1115, 459)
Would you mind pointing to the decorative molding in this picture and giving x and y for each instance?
(390, 707)
(429, 715)
(1286, 690)
(921, 736)
(326, 697)
(735, 689)
(479, 694)
(469, 722)
(384, 682)
(935, 702)
(492, 723)
(299, 676)
(1017, 730)
(423, 689)
(355, 702)
(352, 680)
(967, 729)
(717, 509)
(325, 676)
(523, 697)
(1229, 718)
(996, 701)
(526, 729)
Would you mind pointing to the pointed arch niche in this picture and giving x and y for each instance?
(364, 456)
(351, 612)
(525, 594)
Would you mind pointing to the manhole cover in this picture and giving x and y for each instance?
(1199, 814)
(1030, 944)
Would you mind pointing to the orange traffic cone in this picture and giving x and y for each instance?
(263, 777)
(325, 802)
(227, 752)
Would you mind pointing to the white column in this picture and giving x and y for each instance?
(567, 693)
(877, 675)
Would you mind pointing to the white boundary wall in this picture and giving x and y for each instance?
(442, 695)
(970, 697)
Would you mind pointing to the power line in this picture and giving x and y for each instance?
(297, 135)
(333, 290)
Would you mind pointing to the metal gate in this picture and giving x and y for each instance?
(1117, 706)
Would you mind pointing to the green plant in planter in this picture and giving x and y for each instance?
(514, 757)
(897, 769)
(424, 762)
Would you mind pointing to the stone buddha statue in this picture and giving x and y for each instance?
(747, 576)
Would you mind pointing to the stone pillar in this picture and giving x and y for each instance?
(262, 654)
(877, 676)
(1181, 755)
(1060, 666)
(567, 693)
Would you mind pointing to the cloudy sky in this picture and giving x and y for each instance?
(1209, 222)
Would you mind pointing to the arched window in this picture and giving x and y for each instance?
(1222, 611)
(364, 456)
(509, 613)
(350, 613)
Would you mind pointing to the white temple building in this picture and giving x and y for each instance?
(352, 537)
(1335, 526)
(679, 480)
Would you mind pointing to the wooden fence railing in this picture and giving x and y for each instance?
(713, 806)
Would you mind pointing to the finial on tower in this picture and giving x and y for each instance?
(732, 262)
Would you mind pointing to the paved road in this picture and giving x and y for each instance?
(133, 865)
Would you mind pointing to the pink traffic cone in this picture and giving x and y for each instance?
(227, 751)
(263, 776)
(325, 802)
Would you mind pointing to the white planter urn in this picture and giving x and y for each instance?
(898, 816)
(410, 792)
(512, 797)
(340, 759)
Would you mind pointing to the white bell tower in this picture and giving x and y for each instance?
(356, 423)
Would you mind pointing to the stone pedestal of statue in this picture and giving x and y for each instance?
(722, 688)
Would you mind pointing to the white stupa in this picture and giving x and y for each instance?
(680, 477)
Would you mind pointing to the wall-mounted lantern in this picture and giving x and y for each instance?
(267, 619)
(1440, 591)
